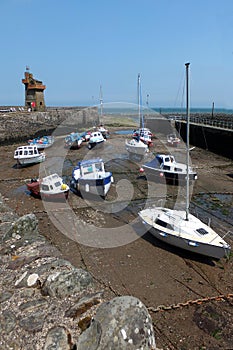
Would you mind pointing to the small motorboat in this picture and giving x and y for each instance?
(49, 187)
(173, 140)
(90, 176)
(146, 138)
(96, 138)
(42, 142)
(73, 140)
(103, 131)
(142, 131)
(27, 155)
(165, 165)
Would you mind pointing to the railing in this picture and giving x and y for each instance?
(215, 123)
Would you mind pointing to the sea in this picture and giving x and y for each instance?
(133, 110)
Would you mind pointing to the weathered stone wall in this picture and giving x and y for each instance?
(46, 303)
(19, 126)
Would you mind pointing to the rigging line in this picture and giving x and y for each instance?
(181, 87)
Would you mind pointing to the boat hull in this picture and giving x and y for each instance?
(173, 177)
(99, 186)
(201, 248)
(33, 160)
(135, 149)
(95, 143)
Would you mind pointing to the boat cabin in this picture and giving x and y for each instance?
(92, 166)
(25, 151)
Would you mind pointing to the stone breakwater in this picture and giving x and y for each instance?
(20, 126)
(46, 303)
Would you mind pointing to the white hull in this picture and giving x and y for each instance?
(136, 147)
(183, 234)
(100, 190)
(32, 160)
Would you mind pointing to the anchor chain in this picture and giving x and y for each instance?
(199, 301)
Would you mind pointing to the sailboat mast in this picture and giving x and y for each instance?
(101, 101)
(139, 100)
(187, 140)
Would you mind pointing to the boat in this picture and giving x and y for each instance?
(136, 147)
(103, 131)
(42, 142)
(90, 176)
(73, 140)
(96, 138)
(181, 229)
(173, 140)
(49, 187)
(27, 155)
(143, 131)
(165, 166)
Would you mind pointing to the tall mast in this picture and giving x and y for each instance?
(101, 101)
(139, 100)
(187, 141)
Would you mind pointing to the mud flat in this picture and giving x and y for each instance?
(189, 296)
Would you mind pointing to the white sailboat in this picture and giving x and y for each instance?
(180, 228)
(135, 146)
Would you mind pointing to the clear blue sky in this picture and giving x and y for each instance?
(74, 46)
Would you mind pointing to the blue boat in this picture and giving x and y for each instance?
(74, 139)
(42, 142)
(89, 176)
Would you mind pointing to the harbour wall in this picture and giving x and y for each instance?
(218, 140)
(17, 126)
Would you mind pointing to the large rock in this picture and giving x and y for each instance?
(122, 323)
(25, 226)
(63, 284)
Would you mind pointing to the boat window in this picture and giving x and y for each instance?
(57, 184)
(166, 167)
(98, 166)
(202, 231)
(178, 169)
(51, 187)
(163, 224)
(30, 152)
(20, 152)
(167, 159)
(25, 152)
(87, 169)
(45, 187)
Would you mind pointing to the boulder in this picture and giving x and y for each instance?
(122, 323)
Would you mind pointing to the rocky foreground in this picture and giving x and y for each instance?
(46, 303)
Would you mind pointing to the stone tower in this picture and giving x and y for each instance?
(34, 92)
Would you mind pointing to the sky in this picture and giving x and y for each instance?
(76, 46)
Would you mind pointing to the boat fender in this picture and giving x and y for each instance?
(112, 179)
(63, 186)
(141, 170)
(87, 188)
(161, 174)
